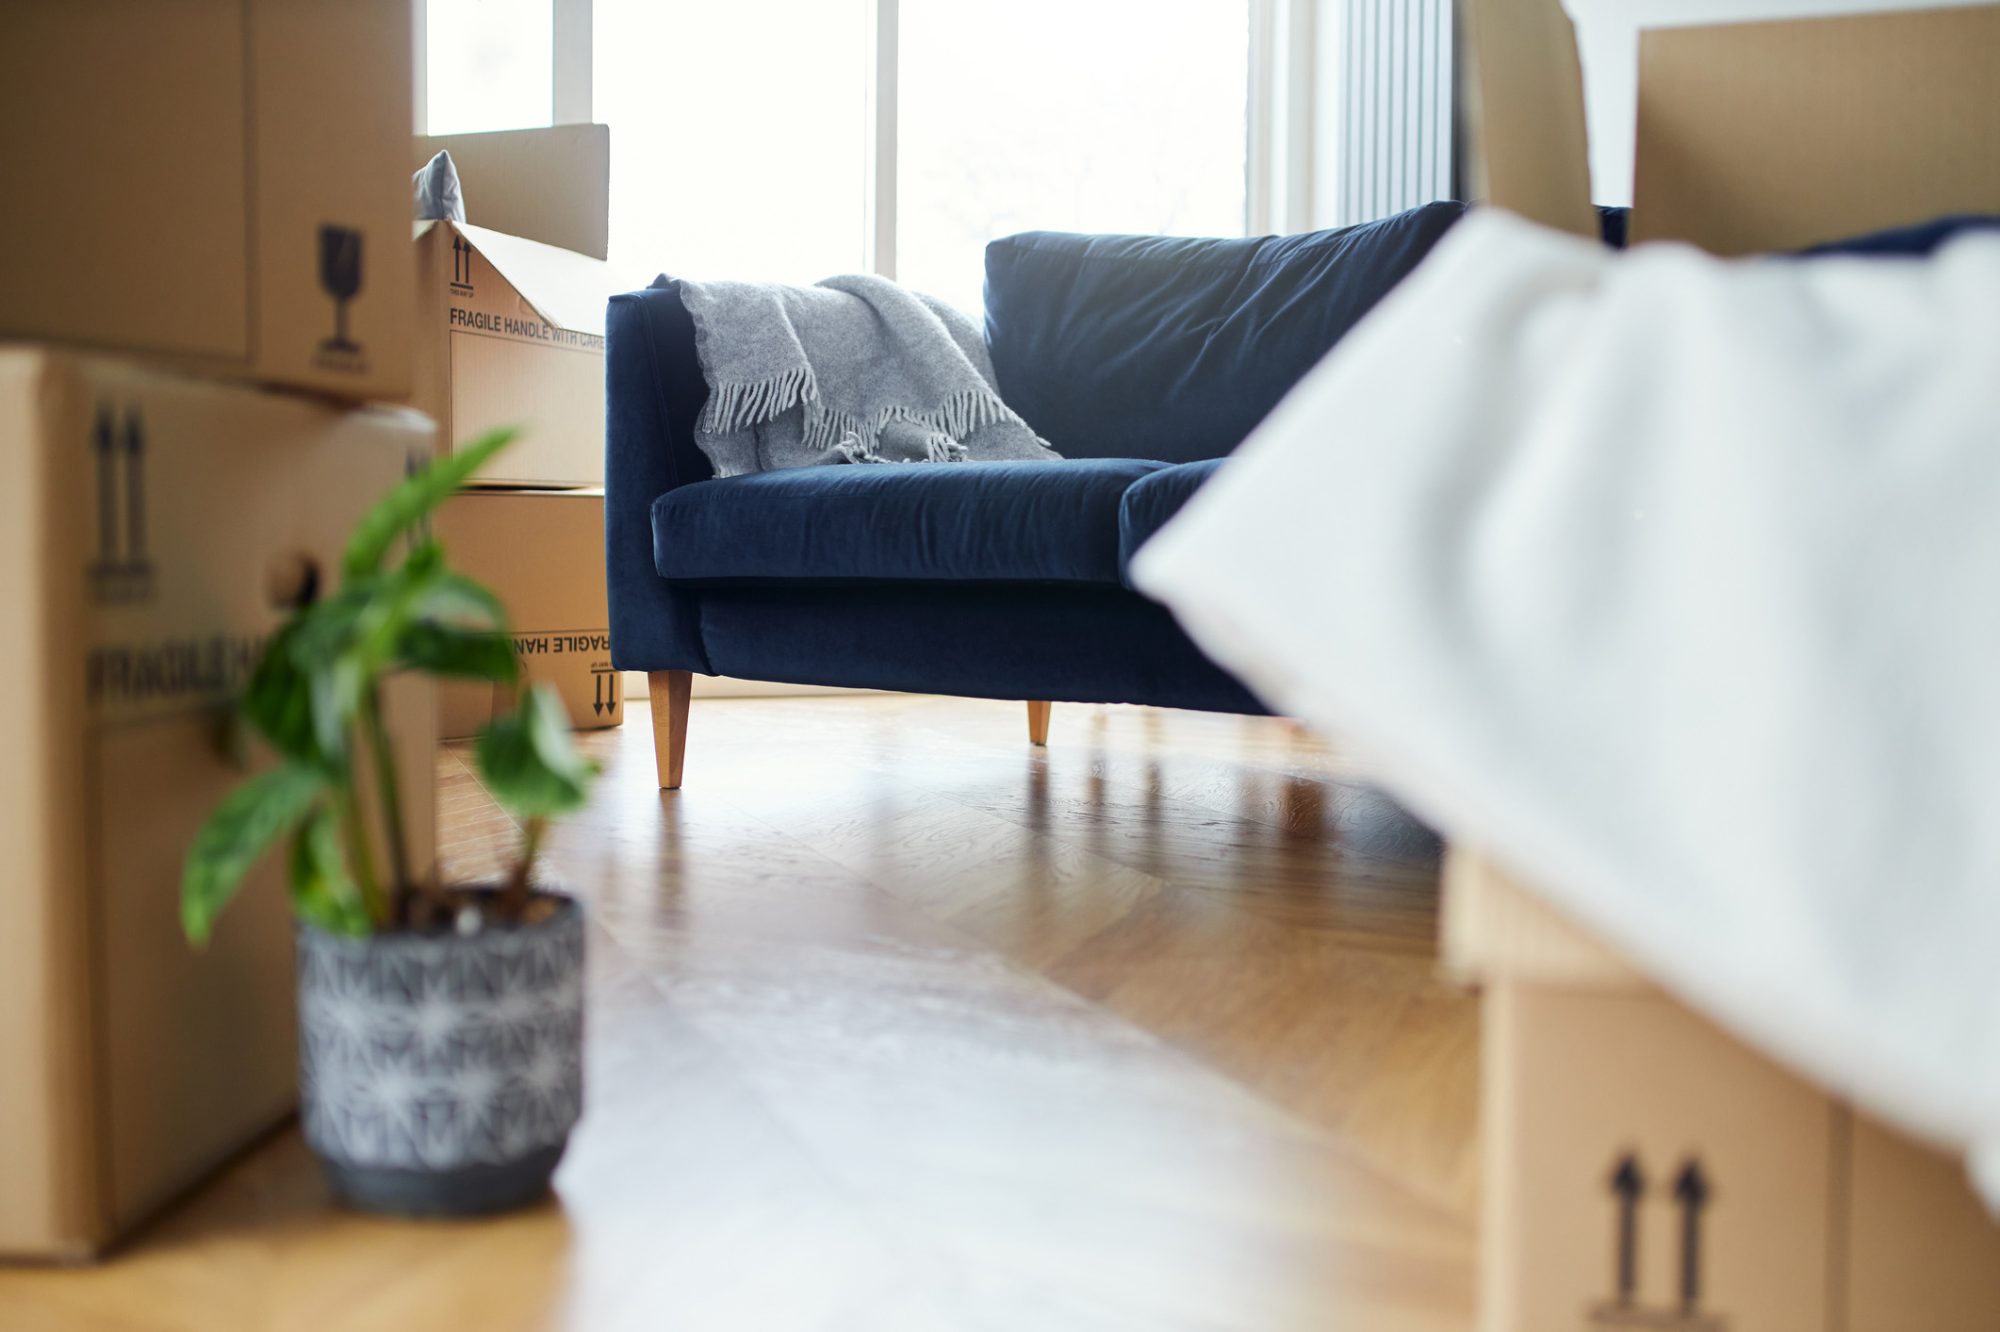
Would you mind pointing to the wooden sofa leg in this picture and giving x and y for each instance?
(668, 693)
(1038, 722)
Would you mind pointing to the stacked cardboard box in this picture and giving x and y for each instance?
(543, 551)
(214, 185)
(511, 333)
(1644, 1169)
(199, 192)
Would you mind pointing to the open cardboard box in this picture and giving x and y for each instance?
(511, 326)
(1644, 1169)
(511, 333)
(153, 531)
(218, 184)
(1752, 136)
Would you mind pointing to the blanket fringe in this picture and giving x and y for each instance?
(739, 406)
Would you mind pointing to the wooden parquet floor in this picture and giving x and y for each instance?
(898, 1023)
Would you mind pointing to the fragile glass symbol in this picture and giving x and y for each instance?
(340, 275)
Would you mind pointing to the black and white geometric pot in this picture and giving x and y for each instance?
(440, 1073)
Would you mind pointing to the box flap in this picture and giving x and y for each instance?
(551, 184)
(1496, 929)
(1529, 145)
(1778, 134)
(567, 289)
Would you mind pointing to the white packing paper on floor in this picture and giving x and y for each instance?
(1674, 584)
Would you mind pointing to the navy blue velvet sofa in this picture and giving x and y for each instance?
(1143, 360)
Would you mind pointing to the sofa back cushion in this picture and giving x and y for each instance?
(1174, 349)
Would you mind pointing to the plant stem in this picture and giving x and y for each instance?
(514, 898)
(388, 791)
(361, 855)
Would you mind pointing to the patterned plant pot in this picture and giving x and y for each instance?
(440, 1074)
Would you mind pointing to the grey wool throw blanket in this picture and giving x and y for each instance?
(851, 370)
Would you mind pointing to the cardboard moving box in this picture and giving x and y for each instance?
(542, 551)
(511, 333)
(217, 183)
(1644, 1169)
(153, 530)
(1752, 137)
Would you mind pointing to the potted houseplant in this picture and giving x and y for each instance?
(440, 1024)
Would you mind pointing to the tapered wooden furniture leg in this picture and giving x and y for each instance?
(1038, 723)
(668, 692)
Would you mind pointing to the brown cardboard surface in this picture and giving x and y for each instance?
(147, 519)
(1523, 99)
(1810, 1216)
(171, 165)
(1766, 136)
(542, 551)
(1922, 1251)
(551, 184)
(511, 332)
(1492, 926)
(1586, 1081)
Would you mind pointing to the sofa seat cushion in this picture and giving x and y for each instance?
(1152, 501)
(990, 522)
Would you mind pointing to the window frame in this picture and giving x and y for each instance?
(1282, 151)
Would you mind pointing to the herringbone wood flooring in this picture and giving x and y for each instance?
(899, 1023)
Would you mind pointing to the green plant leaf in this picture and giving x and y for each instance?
(442, 650)
(323, 892)
(242, 828)
(335, 690)
(345, 644)
(403, 508)
(529, 762)
(452, 598)
(278, 700)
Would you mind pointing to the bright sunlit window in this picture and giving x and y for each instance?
(1064, 115)
(488, 64)
(738, 135)
(740, 132)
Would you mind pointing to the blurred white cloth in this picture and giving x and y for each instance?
(1673, 583)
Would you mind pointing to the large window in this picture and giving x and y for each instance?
(1064, 115)
(487, 64)
(787, 140)
(738, 135)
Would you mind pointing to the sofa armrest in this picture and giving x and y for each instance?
(652, 391)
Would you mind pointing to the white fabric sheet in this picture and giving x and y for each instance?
(1673, 583)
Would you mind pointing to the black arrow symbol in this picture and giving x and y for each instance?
(135, 488)
(1692, 1193)
(611, 688)
(597, 704)
(107, 495)
(1628, 1185)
